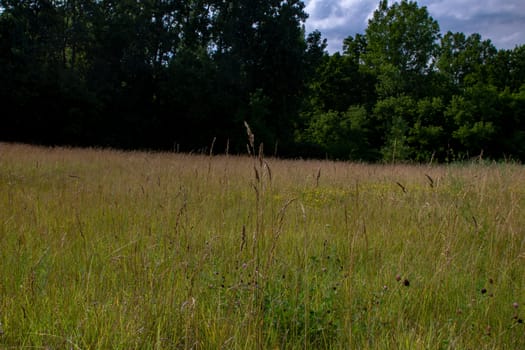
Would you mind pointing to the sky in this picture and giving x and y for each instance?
(501, 21)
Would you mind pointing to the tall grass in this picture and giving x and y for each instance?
(112, 250)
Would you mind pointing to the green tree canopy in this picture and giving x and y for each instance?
(402, 46)
(160, 74)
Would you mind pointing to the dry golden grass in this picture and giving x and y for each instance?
(105, 249)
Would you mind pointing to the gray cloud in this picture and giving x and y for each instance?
(501, 21)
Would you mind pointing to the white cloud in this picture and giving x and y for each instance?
(337, 19)
(501, 21)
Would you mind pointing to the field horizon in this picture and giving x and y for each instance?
(107, 249)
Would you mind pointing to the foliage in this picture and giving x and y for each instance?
(340, 134)
(465, 61)
(476, 116)
(148, 74)
(171, 74)
(401, 46)
(427, 97)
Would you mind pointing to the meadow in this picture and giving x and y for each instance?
(102, 249)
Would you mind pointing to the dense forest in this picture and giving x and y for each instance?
(183, 75)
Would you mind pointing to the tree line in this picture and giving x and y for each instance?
(164, 74)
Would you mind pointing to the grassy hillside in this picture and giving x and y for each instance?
(111, 250)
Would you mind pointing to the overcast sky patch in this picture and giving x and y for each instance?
(501, 21)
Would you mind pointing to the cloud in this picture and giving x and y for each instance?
(337, 19)
(501, 21)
